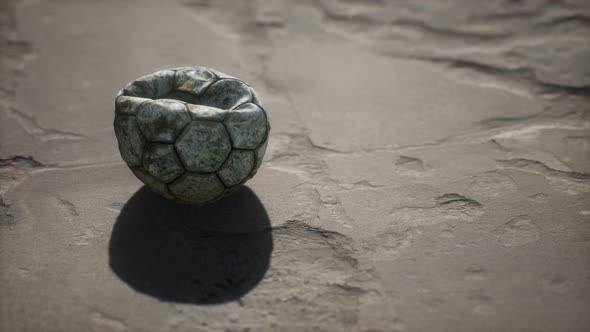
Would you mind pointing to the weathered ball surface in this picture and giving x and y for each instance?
(191, 134)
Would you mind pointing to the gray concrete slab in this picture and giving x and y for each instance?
(428, 169)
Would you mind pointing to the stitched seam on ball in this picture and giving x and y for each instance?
(231, 143)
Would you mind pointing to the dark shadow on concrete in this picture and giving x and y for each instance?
(204, 254)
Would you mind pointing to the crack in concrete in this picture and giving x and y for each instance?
(506, 49)
(518, 74)
(6, 217)
(335, 240)
(16, 161)
(424, 27)
(540, 168)
(68, 206)
(31, 127)
(52, 168)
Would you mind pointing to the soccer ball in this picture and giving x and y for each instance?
(191, 134)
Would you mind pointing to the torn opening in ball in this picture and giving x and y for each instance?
(191, 134)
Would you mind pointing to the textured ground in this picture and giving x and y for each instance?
(428, 169)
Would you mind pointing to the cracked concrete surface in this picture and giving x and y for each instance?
(428, 168)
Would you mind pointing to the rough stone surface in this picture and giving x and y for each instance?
(162, 120)
(246, 125)
(203, 146)
(237, 167)
(197, 188)
(160, 161)
(428, 169)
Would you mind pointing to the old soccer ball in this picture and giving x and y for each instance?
(191, 134)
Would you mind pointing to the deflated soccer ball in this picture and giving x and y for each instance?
(191, 134)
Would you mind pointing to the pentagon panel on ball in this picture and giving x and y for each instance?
(191, 134)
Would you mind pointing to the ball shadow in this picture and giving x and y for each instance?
(203, 254)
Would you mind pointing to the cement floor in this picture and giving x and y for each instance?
(428, 168)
